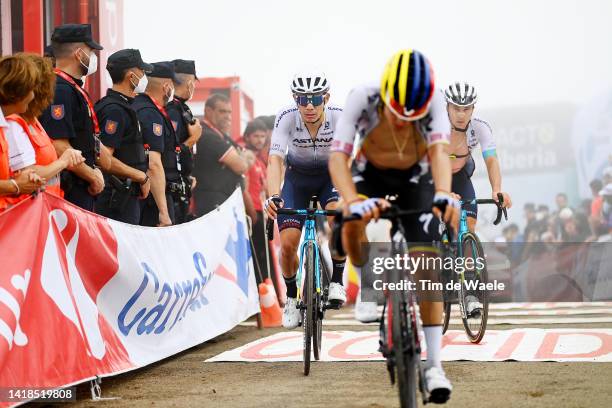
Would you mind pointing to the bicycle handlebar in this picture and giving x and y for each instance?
(293, 211)
(501, 210)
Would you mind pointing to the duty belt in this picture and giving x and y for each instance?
(176, 188)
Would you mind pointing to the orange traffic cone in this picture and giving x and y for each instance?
(271, 314)
(352, 286)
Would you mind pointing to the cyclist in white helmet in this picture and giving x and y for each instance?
(468, 132)
(301, 141)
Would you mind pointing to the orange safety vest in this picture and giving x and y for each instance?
(5, 170)
(43, 149)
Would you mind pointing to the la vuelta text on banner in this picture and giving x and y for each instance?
(84, 296)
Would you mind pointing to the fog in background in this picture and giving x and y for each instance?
(517, 53)
(543, 69)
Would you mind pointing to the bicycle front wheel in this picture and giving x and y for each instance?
(473, 297)
(403, 351)
(308, 310)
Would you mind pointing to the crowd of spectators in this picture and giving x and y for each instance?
(589, 221)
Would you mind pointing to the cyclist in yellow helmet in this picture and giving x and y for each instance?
(402, 128)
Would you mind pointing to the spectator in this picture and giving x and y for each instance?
(606, 210)
(596, 186)
(607, 175)
(574, 229)
(561, 201)
(529, 211)
(219, 165)
(17, 81)
(26, 128)
(513, 242)
(269, 121)
(255, 139)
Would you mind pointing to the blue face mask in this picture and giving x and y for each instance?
(304, 100)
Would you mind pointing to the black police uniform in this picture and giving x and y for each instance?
(180, 116)
(68, 117)
(120, 130)
(159, 134)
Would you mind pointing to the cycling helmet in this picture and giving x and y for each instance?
(407, 84)
(461, 94)
(309, 83)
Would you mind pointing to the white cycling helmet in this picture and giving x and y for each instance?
(460, 94)
(309, 83)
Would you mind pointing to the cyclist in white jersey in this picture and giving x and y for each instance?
(467, 133)
(402, 128)
(301, 141)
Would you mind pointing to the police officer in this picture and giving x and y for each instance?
(70, 120)
(120, 133)
(164, 153)
(188, 130)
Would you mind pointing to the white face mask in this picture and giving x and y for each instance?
(191, 88)
(171, 96)
(141, 86)
(92, 67)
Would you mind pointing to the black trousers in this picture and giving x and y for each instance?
(129, 214)
(79, 196)
(181, 211)
(206, 201)
(259, 243)
(150, 213)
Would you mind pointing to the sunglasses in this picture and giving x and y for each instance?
(315, 100)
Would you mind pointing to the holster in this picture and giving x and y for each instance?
(120, 193)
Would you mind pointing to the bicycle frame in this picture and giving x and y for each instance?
(310, 235)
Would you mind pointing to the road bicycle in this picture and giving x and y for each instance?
(312, 298)
(472, 274)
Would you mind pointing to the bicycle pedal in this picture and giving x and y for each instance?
(333, 304)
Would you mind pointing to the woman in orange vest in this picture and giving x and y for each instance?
(17, 81)
(27, 126)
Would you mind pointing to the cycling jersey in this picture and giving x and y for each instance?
(362, 115)
(480, 132)
(290, 139)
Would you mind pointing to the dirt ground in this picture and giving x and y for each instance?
(185, 380)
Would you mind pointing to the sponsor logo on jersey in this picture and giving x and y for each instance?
(282, 114)
(309, 141)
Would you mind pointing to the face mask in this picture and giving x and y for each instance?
(107, 78)
(191, 88)
(141, 86)
(171, 96)
(92, 67)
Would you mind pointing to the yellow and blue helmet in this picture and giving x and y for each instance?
(407, 84)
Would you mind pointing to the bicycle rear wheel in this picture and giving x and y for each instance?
(404, 352)
(473, 289)
(308, 310)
